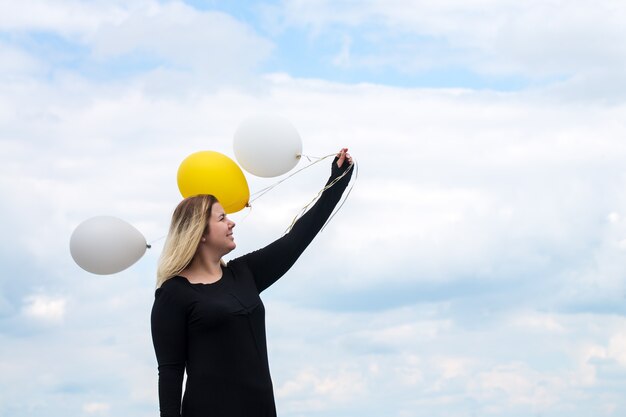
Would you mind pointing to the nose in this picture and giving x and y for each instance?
(232, 224)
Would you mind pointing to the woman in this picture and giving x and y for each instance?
(207, 316)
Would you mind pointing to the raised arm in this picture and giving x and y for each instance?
(273, 261)
(169, 327)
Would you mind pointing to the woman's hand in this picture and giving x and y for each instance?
(342, 156)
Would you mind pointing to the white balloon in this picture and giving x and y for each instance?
(267, 145)
(105, 245)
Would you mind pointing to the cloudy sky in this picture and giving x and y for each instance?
(477, 269)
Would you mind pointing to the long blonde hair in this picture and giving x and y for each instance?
(189, 222)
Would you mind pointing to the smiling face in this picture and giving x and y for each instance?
(220, 231)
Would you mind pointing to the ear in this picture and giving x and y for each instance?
(205, 233)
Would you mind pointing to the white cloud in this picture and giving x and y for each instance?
(17, 64)
(96, 408)
(45, 308)
(410, 371)
(342, 59)
(403, 336)
(587, 375)
(174, 47)
(540, 322)
(321, 389)
(482, 362)
(515, 384)
(486, 35)
(617, 348)
(212, 42)
(66, 17)
(613, 217)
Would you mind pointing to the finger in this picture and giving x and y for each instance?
(342, 157)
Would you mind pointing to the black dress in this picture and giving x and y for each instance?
(217, 331)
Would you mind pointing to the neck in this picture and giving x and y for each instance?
(204, 268)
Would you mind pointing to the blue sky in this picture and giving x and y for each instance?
(477, 269)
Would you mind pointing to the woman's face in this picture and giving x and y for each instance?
(220, 236)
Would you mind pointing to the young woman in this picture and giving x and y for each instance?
(207, 316)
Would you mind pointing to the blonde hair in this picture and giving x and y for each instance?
(190, 221)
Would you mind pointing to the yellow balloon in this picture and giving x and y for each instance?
(210, 172)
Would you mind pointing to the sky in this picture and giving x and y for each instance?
(478, 268)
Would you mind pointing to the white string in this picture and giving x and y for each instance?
(149, 245)
(354, 166)
(266, 189)
(345, 196)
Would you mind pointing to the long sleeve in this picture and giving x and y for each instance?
(169, 327)
(273, 261)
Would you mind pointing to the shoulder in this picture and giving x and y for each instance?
(173, 288)
(172, 301)
(173, 283)
(174, 296)
(238, 264)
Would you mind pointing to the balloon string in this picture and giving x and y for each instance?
(345, 197)
(149, 245)
(304, 209)
(354, 166)
(249, 207)
(262, 192)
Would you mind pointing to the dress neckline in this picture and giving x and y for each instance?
(207, 284)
